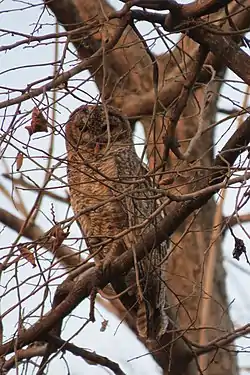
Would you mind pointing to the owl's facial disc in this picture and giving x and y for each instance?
(93, 126)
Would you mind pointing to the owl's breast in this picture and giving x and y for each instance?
(95, 197)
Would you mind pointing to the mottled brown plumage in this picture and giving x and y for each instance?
(103, 168)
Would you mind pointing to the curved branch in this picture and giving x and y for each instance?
(38, 351)
(183, 11)
(90, 357)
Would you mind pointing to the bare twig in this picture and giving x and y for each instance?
(170, 140)
(64, 77)
(31, 187)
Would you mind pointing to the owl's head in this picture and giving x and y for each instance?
(92, 125)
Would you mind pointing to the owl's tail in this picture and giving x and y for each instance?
(144, 316)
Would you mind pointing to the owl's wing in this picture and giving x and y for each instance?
(151, 291)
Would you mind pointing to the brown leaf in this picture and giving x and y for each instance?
(38, 122)
(104, 325)
(19, 160)
(26, 254)
(59, 235)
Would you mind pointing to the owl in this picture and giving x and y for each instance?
(112, 196)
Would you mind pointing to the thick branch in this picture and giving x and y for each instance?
(91, 357)
(184, 11)
(202, 8)
(222, 46)
(13, 222)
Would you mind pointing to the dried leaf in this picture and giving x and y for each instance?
(104, 325)
(59, 235)
(28, 255)
(19, 160)
(38, 122)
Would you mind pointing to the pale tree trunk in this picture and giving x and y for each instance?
(188, 264)
(126, 80)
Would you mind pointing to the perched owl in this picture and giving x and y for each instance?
(108, 181)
